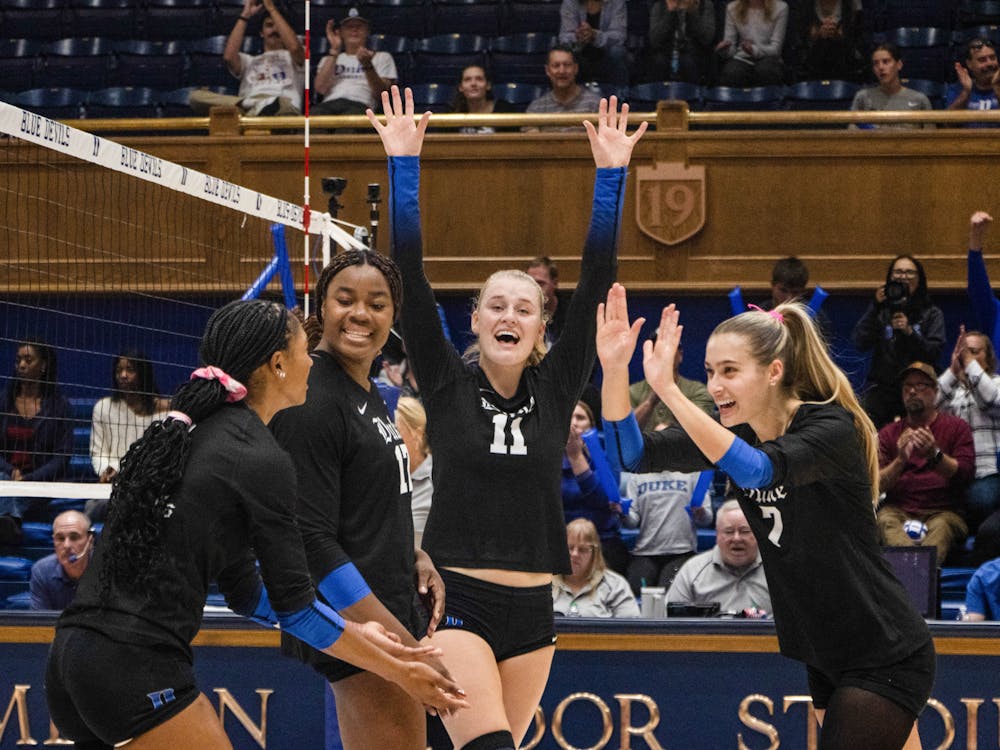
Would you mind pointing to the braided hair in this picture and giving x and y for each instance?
(238, 338)
(386, 265)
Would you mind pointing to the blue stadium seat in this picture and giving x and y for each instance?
(645, 96)
(177, 19)
(435, 97)
(954, 582)
(607, 90)
(159, 65)
(706, 539)
(34, 19)
(926, 51)
(533, 15)
(18, 62)
(205, 64)
(979, 13)
(112, 19)
(520, 95)
(892, 14)
(85, 63)
(440, 59)
(54, 103)
(175, 103)
(15, 568)
(521, 57)
(397, 17)
(397, 46)
(81, 409)
(729, 98)
(933, 90)
(118, 101)
(465, 17)
(19, 601)
(821, 95)
(39, 534)
(963, 36)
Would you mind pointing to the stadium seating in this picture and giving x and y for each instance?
(821, 95)
(442, 58)
(979, 12)
(398, 17)
(435, 97)
(33, 19)
(178, 19)
(18, 63)
(205, 64)
(118, 101)
(728, 98)
(533, 15)
(926, 51)
(520, 95)
(465, 17)
(111, 19)
(521, 57)
(86, 62)
(644, 97)
(891, 14)
(55, 103)
(933, 90)
(158, 65)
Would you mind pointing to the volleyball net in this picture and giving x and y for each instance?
(108, 251)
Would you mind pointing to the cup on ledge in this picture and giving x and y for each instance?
(654, 606)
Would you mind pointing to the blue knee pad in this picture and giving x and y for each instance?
(502, 740)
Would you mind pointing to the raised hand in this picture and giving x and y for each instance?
(333, 37)
(400, 135)
(958, 360)
(979, 223)
(609, 142)
(615, 337)
(659, 356)
(964, 79)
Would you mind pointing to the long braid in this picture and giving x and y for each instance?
(239, 338)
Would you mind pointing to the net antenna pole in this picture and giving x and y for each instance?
(305, 168)
(280, 265)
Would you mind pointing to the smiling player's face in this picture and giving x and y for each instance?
(508, 320)
(357, 314)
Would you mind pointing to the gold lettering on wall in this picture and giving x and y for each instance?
(812, 721)
(557, 718)
(54, 736)
(539, 730)
(19, 699)
(646, 730)
(971, 722)
(947, 719)
(758, 725)
(226, 700)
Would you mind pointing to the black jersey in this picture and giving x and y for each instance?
(235, 499)
(497, 462)
(837, 604)
(354, 488)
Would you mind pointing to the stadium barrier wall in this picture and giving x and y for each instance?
(698, 685)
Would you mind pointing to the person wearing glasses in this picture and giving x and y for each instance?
(731, 573)
(978, 85)
(591, 589)
(926, 461)
(900, 326)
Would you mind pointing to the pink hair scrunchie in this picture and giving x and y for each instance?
(237, 391)
(773, 313)
(180, 417)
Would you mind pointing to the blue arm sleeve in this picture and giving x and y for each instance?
(344, 586)
(624, 443)
(261, 612)
(606, 476)
(746, 465)
(317, 625)
(984, 302)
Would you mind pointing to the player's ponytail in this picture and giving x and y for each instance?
(239, 338)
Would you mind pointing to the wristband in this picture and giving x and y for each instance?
(244, 19)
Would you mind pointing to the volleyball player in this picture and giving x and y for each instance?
(802, 455)
(196, 497)
(354, 498)
(497, 430)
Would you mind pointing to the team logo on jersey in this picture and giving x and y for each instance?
(363, 408)
(670, 201)
(160, 698)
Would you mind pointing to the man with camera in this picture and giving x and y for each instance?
(899, 327)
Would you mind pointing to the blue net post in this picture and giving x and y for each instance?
(279, 265)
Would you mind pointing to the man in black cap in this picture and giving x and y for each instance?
(351, 77)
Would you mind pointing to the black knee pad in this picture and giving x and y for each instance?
(502, 740)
